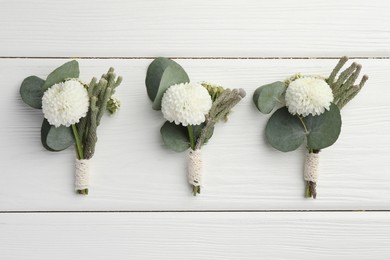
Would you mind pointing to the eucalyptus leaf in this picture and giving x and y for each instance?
(67, 70)
(56, 138)
(284, 131)
(175, 136)
(324, 129)
(163, 73)
(154, 74)
(268, 96)
(31, 91)
(287, 132)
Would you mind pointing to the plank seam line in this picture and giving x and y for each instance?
(185, 211)
(196, 58)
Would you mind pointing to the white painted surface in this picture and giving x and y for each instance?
(207, 236)
(242, 174)
(195, 28)
(133, 170)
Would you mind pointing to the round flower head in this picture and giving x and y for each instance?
(65, 103)
(186, 104)
(308, 95)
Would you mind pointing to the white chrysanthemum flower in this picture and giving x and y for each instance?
(186, 103)
(308, 95)
(65, 103)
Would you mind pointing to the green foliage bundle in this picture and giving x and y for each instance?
(65, 95)
(309, 113)
(191, 110)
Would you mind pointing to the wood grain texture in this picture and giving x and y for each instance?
(247, 28)
(205, 236)
(132, 170)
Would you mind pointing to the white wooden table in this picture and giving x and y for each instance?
(140, 206)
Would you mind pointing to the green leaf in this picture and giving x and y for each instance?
(154, 74)
(268, 96)
(323, 129)
(284, 131)
(56, 138)
(31, 91)
(163, 73)
(175, 136)
(67, 70)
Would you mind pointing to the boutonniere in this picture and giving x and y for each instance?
(309, 113)
(72, 112)
(191, 110)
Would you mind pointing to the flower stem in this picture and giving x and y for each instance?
(79, 153)
(303, 123)
(191, 136)
(79, 147)
(307, 190)
(310, 191)
(195, 190)
(83, 192)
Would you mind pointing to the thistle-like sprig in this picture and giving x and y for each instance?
(221, 107)
(344, 90)
(100, 93)
(344, 87)
(219, 110)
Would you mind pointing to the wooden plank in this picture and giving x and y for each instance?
(245, 28)
(195, 236)
(132, 170)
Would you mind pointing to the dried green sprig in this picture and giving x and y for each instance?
(344, 87)
(344, 90)
(219, 110)
(100, 93)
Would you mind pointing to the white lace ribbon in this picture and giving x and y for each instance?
(311, 167)
(82, 174)
(195, 167)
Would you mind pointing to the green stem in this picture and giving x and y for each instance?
(79, 153)
(307, 190)
(195, 190)
(83, 192)
(79, 150)
(303, 123)
(191, 136)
